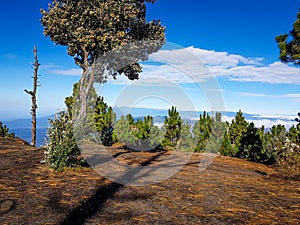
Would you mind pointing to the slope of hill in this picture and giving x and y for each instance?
(229, 191)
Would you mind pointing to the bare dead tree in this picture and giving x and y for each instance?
(33, 96)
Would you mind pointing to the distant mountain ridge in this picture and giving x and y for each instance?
(22, 127)
(42, 122)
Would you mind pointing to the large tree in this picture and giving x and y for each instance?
(93, 29)
(289, 44)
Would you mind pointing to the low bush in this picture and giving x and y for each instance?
(4, 131)
(61, 147)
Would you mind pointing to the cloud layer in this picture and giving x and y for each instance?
(267, 121)
(200, 64)
(190, 65)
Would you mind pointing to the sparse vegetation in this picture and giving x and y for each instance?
(4, 131)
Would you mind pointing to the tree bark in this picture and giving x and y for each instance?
(85, 84)
(33, 97)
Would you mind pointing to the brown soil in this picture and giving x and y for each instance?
(230, 191)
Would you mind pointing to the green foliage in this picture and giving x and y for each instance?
(237, 129)
(273, 142)
(288, 44)
(73, 103)
(4, 131)
(143, 127)
(92, 28)
(294, 134)
(298, 118)
(149, 136)
(208, 133)
(70, 101)
(61, 147)
(123, 132)
(172, 128)
(104, 120)
(218, 129)
(186, 142)
(100, 117)
(251, 146)
(141, 135)
(288, 157)
(226, 147)
(283, 148)
(202, 132)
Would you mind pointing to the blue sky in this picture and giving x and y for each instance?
(227, 57)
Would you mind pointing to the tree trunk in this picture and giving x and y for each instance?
(85, 84)
(33, 97)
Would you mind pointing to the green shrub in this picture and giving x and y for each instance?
(172, 128)
(61, 147)
(140, 135)
(288, 157)
(251, 145)
(226, 146)
(186, 141)
(4, 131)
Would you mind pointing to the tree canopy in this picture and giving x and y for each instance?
(92, 28)
(289, 44)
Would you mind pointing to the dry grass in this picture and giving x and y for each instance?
(230, 191)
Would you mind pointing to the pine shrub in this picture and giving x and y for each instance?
(288, 157)
(61, 147)
(4, 131)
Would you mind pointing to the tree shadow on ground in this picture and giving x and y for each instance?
(95, 203)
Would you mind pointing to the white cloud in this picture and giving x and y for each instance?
(275, 116)
(267, 120)
(274, 73)
(202, 56)
(199, 64)
(269, 123)
(190, 65)
(295, 97)
(68, 72)
(49, 66)
(10, 56)
(251, 94)
(159, 125)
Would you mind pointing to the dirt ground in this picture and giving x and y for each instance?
(229, 191)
